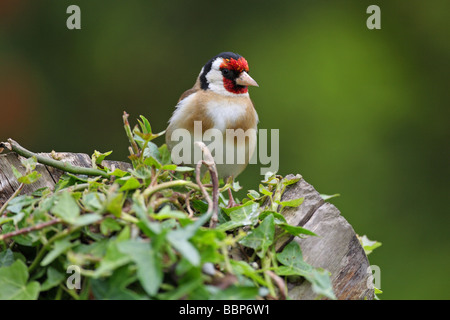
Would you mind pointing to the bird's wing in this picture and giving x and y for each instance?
(192, 90)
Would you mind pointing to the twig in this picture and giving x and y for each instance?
(62, 165)
(126, 124)
(279, 282)
(3, 208)
(188, 205)
(29, 229)
(76, 187)
(202, 188)
(214, 203)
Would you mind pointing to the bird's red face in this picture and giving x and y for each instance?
(233, 67)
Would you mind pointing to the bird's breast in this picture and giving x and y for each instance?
(225, 114)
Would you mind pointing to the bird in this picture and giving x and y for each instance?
(219, 100)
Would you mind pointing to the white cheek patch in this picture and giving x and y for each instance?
(215, 77)
(215, 80)
(223, 113)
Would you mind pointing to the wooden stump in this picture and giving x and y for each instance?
(336, 248)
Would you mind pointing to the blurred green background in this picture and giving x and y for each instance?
(361, 112)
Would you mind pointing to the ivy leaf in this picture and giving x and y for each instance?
(17, 204)
(290, 203)
(243, 215)
(321, 283)
(368, 245)
(279, 218)
(66, 208)
(183, 169)
(290, 181)
(152, 151)
(146, 128)
(112, 260)
(54, 278)
(149, 268)
(114, 203)
(328, 197)
(30, 175)
(165, 155)
(293, 264)
(109, 225)
(59, 248)
(182, 245)
(98, 157)
(296, 230)
(150, 228)
(261, 237)
(152, 162)
(115, 287)
(29, 163)
(87, 219)
(93, 201)
(16, 172)
(252, 194)
(6, 258)
(130, 184)
(30, 178)
(179, 239)
(292, 259)
(169, 167)
(242, 267)
(118, 173)
(14, 283)
(264, 190)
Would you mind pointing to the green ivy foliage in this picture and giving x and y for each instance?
(143, 234)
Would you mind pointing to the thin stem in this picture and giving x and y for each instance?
(170, 184)
(59, 293)
(265, 264)
(126, 125)
(129, 218)
(77, 187)
(71, 292)
(202, 188)
(61, 165)
(213, 205)
(3, 208)
(226, 258)
(29, 229)
(188, 205)
(279, 282)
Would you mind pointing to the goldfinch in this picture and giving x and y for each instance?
(219, 100)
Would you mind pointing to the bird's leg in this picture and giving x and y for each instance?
(231, 202)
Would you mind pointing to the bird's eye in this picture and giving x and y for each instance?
(225, 72)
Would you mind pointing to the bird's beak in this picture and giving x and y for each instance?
(245, 80)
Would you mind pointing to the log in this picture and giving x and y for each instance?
(50, 175)
(336, 248)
